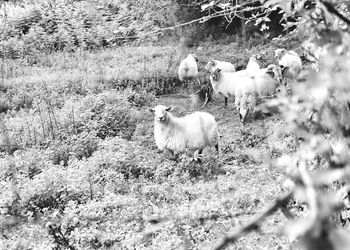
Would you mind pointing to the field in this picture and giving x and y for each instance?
(80, 168)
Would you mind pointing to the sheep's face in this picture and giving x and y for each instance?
(275, 72)
(161, 113)
(284, 71)
(215, 74)
(210, 65)
(279, 53)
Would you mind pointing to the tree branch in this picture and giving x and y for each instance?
(255, 224)
(334, 11)
(200, 20)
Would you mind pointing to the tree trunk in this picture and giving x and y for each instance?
(243, 27)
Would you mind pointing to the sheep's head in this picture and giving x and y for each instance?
(161, 113)
(279, 53)
(284, 71)
(275, 72)
(210, 65)
(193, 56)
(215, 74)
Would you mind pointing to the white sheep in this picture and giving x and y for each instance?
(245, 98)
(290, 62)
(188, 68)
(268, 79)
(224, 66)
(253, 66)
(195, 131)
(264, 82)
(225, 83)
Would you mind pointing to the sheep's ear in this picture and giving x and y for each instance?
(284, 71)
(151, 110)
(270, 73)
(169, 109)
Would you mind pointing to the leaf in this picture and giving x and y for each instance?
(327, 176)
(270, 3)
(207, 5)
(295, 229)
(223, 5)
(340, 239)
(286, 6)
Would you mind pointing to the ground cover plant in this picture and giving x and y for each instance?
(83, 171)
(79, 168)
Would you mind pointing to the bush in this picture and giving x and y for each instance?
(69, 25)
(107, 114)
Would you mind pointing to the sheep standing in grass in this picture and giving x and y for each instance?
(225, 83)
(268, 79)
(289, 61)
(245, 98)
(195, 131)
(224, 66)
(264, 83)
(188, 69)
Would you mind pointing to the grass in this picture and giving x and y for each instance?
(101, 188)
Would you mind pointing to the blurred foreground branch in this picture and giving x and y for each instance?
(255, 224)
(334, 11)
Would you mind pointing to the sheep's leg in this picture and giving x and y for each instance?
(226, 101)
(206, 100)
(170, 155)
(200, 152)
(199, 160)
(199, 81)
(217, 149)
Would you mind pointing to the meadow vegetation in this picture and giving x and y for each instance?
(79, 168)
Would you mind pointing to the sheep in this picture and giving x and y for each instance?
(224, 66)
(188, 68)
(290, 62)
(245, 98)
(244, 85)
(253, 65)
(268, 79)
(264, 82)
(195, 131)
(225, 83)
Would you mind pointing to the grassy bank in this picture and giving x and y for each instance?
(81, 170)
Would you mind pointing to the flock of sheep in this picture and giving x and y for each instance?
(199, 129)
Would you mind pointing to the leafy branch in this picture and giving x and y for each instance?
(254, 224)
(334, 11)
(225, 12)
